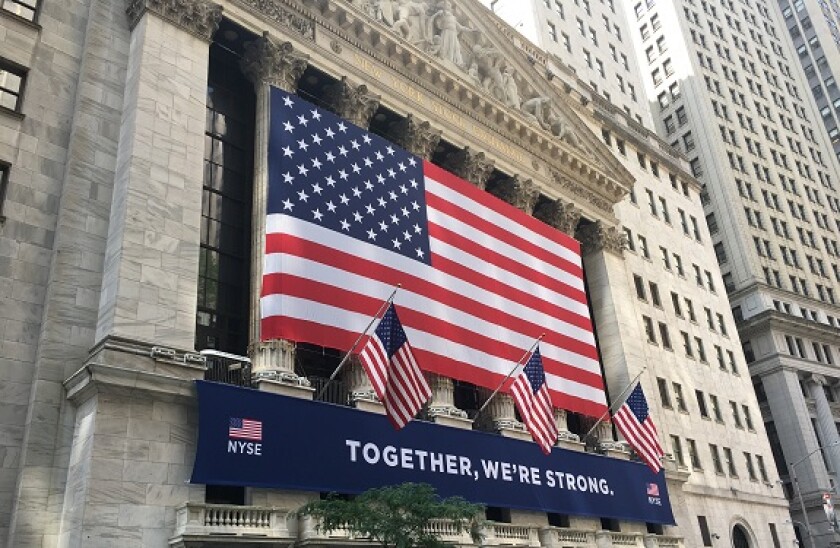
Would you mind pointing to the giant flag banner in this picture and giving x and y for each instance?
(350, 215)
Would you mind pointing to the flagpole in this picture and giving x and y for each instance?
(349, 353)
(618, 399)
(496, 391)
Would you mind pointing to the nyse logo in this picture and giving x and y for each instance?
(244, 436)
(653, 494)
(244, 448)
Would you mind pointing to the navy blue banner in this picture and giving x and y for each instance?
(253, 438)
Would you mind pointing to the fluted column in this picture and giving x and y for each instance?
(417, 137)
(565, 438)
(500, 416)
(471, 166)
(442, 408)
(268, 63)
(825, 421)
(356, 104)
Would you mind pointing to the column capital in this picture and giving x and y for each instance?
(417, 137)
(277, 64)
(816, 379)
(560, 215)
(200, 18)
(470, 165)
(521, 194)
(600, 237)
(355, 104)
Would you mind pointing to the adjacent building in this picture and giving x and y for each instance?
(133, 186)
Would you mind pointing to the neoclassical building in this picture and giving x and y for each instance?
(133, 198)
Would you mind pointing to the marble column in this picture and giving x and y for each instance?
(361, 392)
(469, 165)
(500, 416)
(356, 104)
(417, 137)
(442, 408)
(565, 438)
(825, 421)
(268, 63)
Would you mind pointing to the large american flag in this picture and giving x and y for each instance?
(530, 394)
(350, 215)
(635, 424)
(393, 370)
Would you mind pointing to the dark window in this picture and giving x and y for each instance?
(610, 524)
(12, 80)
(558, 520)
(497, 514)
(704, 531)
(775, 536)
(27, 9)
(4, 185)
(224, 260)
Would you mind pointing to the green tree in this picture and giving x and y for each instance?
(397, 516)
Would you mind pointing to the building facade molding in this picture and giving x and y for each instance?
(354, 103)
(518, 192)
(283, 15)
(473, 166)
(200, 18)
(600, 237)
(559, 214)
(416, 136)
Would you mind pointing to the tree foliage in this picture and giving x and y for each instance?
(396, 516)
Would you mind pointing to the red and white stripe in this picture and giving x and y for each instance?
(536, 411)
(643, 437)
(498, 279)
(398, 382)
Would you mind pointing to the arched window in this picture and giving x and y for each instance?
(740, 539)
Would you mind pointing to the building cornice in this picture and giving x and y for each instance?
(200, 18)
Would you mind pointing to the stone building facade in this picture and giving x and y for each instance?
(133, 184)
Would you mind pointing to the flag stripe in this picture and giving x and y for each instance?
(535, 406)
(637, 428)
(444, 184)
(350, 302)
(335, 264)
(566, 393)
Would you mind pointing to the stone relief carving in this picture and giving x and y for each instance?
(353, 103)
(597, 236)
(267, 62)
(585, 194)
(198, 17)
(417, 137)
(280, 14)
(436, 27)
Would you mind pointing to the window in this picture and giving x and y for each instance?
(4, 184)
(27, 9)
(736, 415)
(643, 247)
(676, 448)
(750, 467)
(762, 471)
(651, 335)
(654, 294)
(715, 408)
(675, 300)
(701, 403)
(747, 417)
(713, 449)
(12, 79)
(693, 457)
(704, 531)
(552, 32)
(640, 287)
(730, 464)
(678, 397)
(665, 336)
(664, 396)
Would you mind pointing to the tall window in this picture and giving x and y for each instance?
(4, 183)
(12, 79)
(224, 261)
(26, 9)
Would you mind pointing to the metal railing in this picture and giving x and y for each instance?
(227, 368)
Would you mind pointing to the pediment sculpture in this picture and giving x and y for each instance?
(435, 27)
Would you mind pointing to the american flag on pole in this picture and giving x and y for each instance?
(393, 371)
(350, 216)
(635, 424)
(530, 394)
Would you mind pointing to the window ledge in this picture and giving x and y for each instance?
(20, 19)
(12, 113)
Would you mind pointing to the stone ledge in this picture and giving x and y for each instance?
(94, 378)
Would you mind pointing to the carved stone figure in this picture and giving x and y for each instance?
(410, 20)
(537, 110)
(510, 88)
(449, 29)
(486, 59)
(561, 129)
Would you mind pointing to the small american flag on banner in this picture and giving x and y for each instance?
(530, 393)
(635, 424)
(245, 429)
(393, 371)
